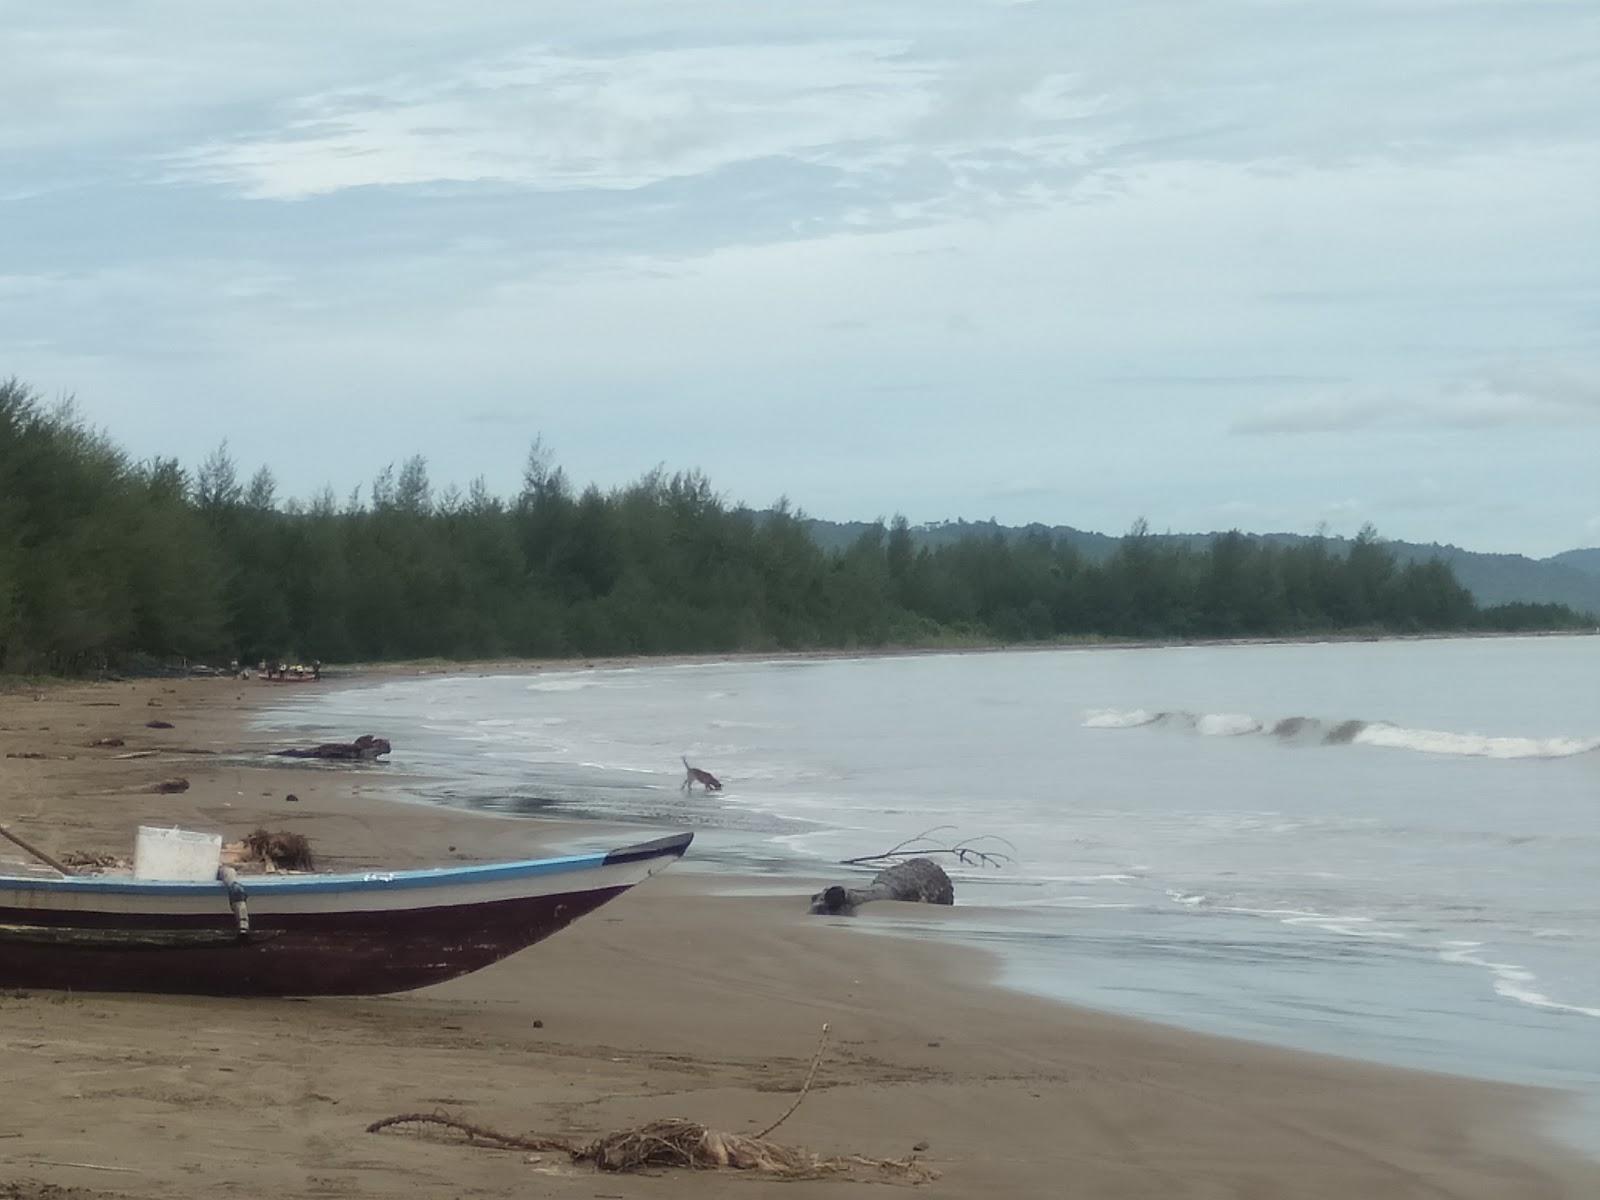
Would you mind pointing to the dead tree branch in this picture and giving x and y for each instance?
(968, 851)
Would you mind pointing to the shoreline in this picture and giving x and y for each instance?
(1013, 1093)
(355, 673)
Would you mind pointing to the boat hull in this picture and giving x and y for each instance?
(308, 936)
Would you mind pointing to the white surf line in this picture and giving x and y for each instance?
(1367, 733)
(1510, 980)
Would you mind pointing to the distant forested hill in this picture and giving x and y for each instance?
(1587, 561)
(1505, 578)
(1571, 578)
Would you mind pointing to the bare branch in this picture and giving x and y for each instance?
(965, 851)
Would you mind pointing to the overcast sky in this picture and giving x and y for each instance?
(1252, 263)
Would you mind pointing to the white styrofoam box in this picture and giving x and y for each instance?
(179, 854)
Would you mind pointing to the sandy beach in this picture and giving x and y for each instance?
(672, 1001)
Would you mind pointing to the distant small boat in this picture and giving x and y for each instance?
(302, 935)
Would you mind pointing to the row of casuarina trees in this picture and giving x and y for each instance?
(106, 561)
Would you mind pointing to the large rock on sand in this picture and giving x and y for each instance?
(919, 880)
(364, 747)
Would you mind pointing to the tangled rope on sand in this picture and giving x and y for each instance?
(675, 1142)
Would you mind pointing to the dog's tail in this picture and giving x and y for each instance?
(686, 765)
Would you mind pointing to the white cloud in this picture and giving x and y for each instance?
(1336, 413)
(551, 120)
(1542, 395)
(931, 256)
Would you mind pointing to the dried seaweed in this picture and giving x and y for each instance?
(285, 851)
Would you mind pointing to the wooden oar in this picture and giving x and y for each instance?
(34, 850)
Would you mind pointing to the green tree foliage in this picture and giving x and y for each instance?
(100, 558)
(104, 560)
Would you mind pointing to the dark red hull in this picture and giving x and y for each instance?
(311, 954)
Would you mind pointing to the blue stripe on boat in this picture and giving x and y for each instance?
(309, 885)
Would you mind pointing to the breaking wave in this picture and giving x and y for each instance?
(1510, 980)
(1110, 718)
(1345, 733)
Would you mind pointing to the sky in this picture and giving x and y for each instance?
(1266, 264)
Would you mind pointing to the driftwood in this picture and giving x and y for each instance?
(365, 747)
(909, 872)
(920, 880)
(969, 852)
(171, 786)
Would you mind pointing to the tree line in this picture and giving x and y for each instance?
(109, 561)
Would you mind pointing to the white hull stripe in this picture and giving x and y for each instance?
(441, 887)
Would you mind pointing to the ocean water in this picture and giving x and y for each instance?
(1387, 850)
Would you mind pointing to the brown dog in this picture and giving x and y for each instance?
(704, 778)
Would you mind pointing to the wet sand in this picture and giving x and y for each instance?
(672, 1001)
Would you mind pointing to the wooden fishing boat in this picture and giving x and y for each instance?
(301, 935)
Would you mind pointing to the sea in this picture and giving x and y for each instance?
(1387, 850)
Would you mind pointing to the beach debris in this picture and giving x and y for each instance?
(35, 754)
(969, 852)
(168, 787)
(909, 872)
(275, 851)
(109, 743)
(676, 1142)
(918, 880)
(282, 672)
(16, 839)
(479, 1134)
(158, 724)
(364, 748)
(84, 1166)
(93, 862)
(291, 798)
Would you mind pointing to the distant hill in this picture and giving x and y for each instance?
(1502, 578)
(1587, 561)
(834, 536)
(1571, 578)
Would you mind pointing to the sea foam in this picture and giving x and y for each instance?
(1510, 980)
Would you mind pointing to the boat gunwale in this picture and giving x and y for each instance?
(468, 874)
